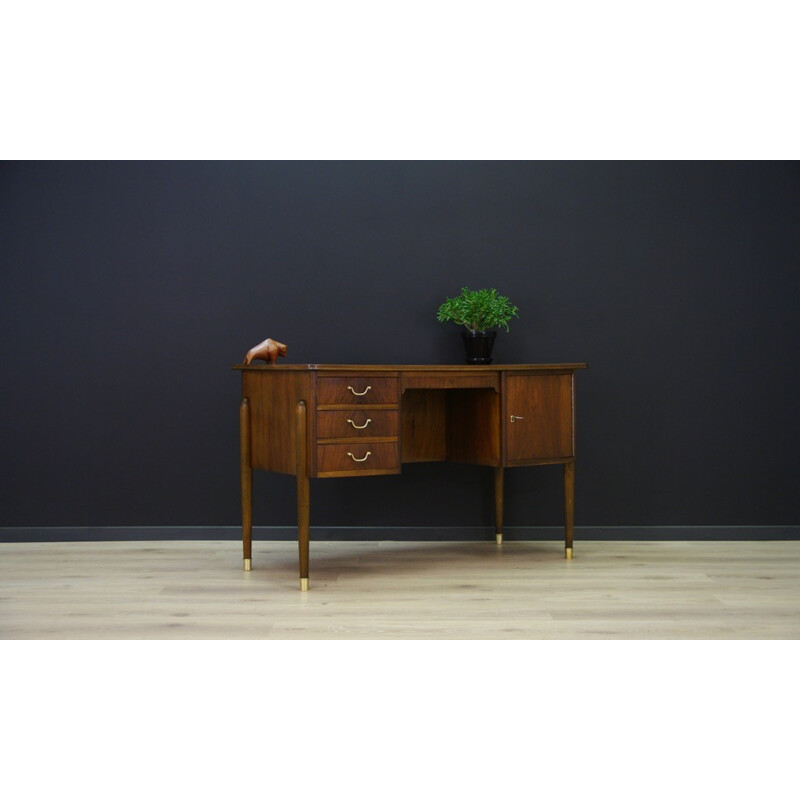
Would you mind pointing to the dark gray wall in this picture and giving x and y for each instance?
(128, 291)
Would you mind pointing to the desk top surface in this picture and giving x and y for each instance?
(415, 367)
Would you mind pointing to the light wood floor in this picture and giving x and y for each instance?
(401, 590)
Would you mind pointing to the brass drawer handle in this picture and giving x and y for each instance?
(514, 417)
(359, 394)
(359, 459)
(360, 427)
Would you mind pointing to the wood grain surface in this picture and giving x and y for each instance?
(401, 590)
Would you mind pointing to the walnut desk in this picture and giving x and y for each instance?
(344, 421)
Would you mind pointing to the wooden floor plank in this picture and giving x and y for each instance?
(401, 590)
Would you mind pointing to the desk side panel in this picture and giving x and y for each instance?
(273, 398)
(423, 425)
(473, 427)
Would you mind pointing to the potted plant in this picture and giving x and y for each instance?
(479, 311)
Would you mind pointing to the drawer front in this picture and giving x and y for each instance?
(357, 422)
(356, 390)
(358, 457)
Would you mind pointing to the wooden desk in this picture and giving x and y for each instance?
(343, 421)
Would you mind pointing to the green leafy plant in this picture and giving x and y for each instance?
(478, 310)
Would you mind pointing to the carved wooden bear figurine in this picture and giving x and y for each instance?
(269, 350)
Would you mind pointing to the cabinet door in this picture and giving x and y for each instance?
(538, 421)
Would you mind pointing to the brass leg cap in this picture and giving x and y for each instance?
(303, 584)
(499, 537)
(248, 565)
(568, 553)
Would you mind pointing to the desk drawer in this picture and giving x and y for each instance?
(363, 423)
(358, 457)
(356, 390)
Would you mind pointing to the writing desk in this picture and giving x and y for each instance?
(344, 421)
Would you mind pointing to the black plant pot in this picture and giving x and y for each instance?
(478, 345)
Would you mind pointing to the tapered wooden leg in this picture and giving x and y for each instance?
(498, 504)
(247, 482)
(303, 495)
(569, 506)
